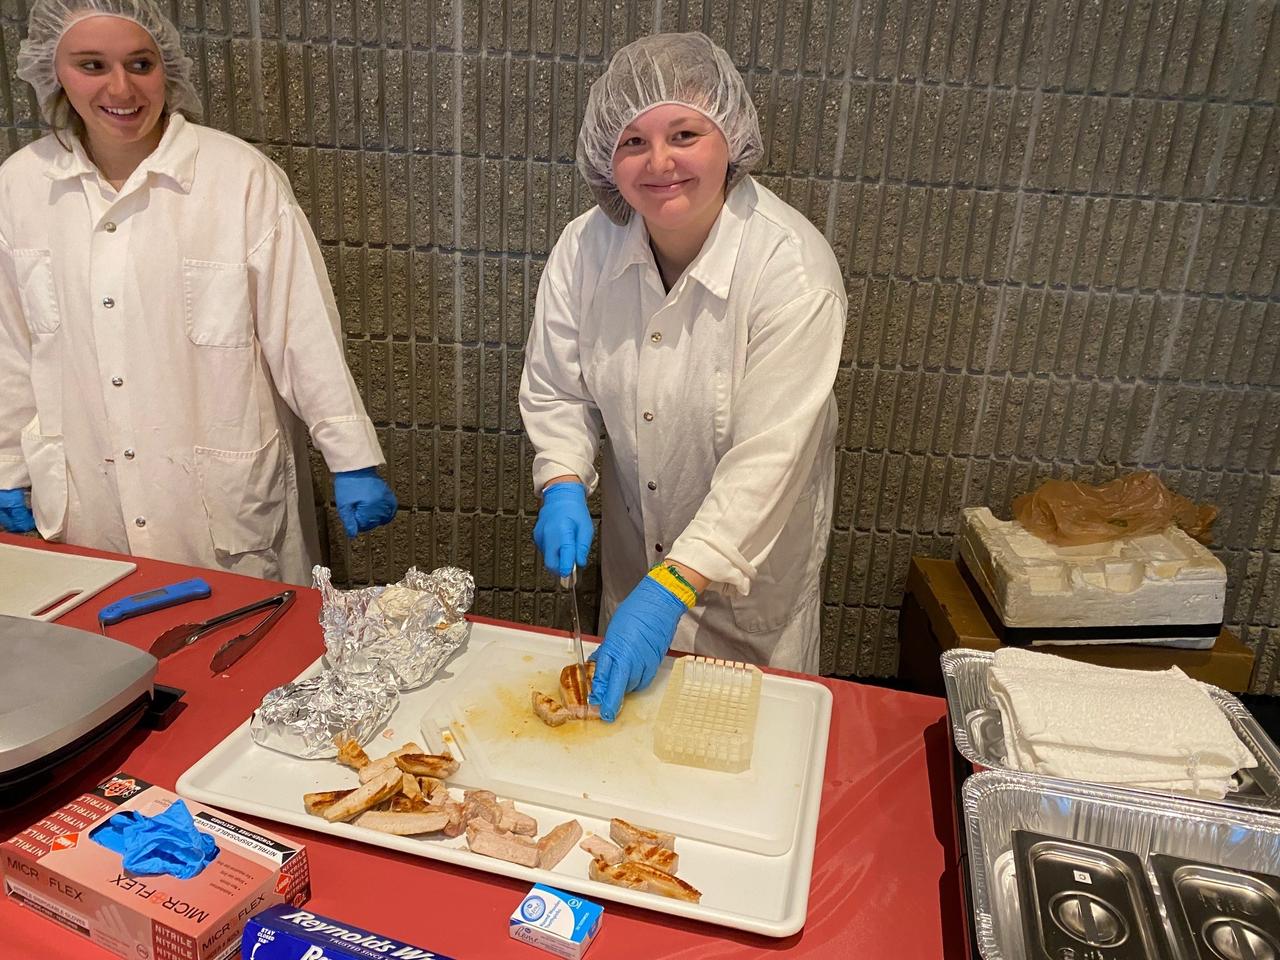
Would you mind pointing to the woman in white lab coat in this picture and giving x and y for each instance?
(696, 319)
(166, 322)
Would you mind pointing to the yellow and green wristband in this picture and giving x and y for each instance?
(670, 578)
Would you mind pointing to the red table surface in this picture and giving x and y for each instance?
(884, 876)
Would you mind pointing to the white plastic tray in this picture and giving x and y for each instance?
(740, 889)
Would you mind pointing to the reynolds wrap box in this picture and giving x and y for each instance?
(55, 869)
(287, 933)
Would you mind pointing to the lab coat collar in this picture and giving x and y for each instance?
(174, 157)
(713, 266)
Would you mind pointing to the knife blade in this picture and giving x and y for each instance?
(577, 625)
(237, 647)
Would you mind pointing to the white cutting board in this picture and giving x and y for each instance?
(602, 770)
(43, 585)
(746, 891)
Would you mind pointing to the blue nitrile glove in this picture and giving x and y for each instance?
(364, 500)
(563, 531)
(15, 515)
(637, 639)
(167, 843)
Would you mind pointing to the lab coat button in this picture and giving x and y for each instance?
(658, 547)
(648, 415)
(117, 381)
(109, 227)
(653, 485)
(657, 337)
(140, 521)
(129, 454)
(108, 302)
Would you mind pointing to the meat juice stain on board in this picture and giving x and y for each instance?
(510, 714)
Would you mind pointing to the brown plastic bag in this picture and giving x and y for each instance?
(1067, 513)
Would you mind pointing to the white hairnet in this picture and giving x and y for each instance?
(50, 19)
(682, 68)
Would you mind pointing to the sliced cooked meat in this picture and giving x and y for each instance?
(375, 768)
(602, 849)
(481, 805)
(574, 688)
(438, 765)
(513, 821)
(409, 785)
(623, 833)
(457, 821)
(668, 861)
(351, 754)
(368, 795)
(403, 824)
(641, 876)
(558, 841)
(318, 803)
(484, 838)
(418, 804)
(548, 710)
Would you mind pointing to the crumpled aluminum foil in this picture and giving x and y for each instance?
(308, 718)
(406, 626)
(378, 641)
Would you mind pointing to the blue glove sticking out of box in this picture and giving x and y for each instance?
(167, 843)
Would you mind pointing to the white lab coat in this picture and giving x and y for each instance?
(718, 407)
(158, 347)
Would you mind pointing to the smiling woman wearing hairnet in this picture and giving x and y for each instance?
(697, 320)
(165, 319)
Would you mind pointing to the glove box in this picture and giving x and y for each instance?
(65, 696)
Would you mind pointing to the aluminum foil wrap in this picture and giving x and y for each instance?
(411, 627)
(378, 641)
(307, 718)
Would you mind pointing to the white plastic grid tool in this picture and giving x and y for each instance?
(708, 715)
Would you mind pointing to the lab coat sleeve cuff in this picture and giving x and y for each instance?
(13, 473)
(348, 443)
(719, 562)
(547, 467)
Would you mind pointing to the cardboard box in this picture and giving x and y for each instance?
(555, 921)
(54, 868)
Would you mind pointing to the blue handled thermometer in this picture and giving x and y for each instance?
(140, 603)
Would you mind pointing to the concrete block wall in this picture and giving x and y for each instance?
(1058, 221)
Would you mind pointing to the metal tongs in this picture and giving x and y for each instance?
(571, 584)
(182, 636)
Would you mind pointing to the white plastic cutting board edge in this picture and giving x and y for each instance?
(31, 580)
(740, 889)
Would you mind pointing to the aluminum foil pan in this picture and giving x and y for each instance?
(998, 802)
(978, 732)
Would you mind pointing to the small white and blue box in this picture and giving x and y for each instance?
(558, 922)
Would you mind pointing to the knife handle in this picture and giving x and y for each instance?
(140, 603)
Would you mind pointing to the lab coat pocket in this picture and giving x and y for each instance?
(36, 290)
(243, 492)
(47, 464)
(786, 577)
(216, 301)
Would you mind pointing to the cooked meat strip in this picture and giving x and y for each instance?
(623, 833)
(457, 822)
(409, 785)
(483, 838)
(351, 754)
(418, 804)
(574, 690)
(549, 710)
(558, 841)
(602, 849)
(438, 765)
(369, 795)
(317, 803)
(668, 861)
(513, 821)
(482, 805)
(641, 876)
(376, 767)
(403, 824)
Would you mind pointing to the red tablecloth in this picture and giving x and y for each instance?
(884, 883)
